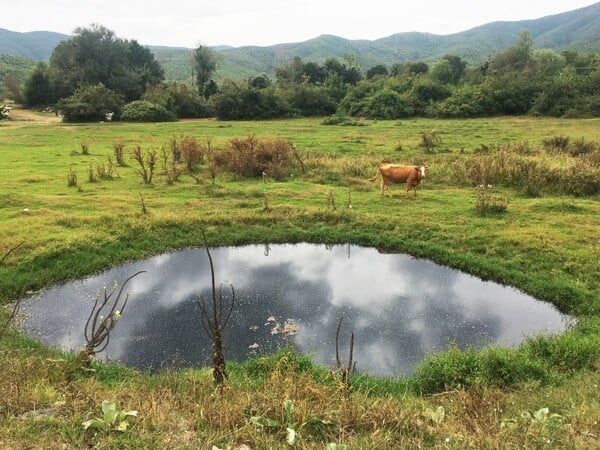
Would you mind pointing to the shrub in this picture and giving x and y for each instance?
(235, 102)
(147, 163)
(179, 99)
(90, 103)
(504, 367)
(430, 139)
(250, 157)
(572, 351)
(557, 143)
(581, 147)
(344, 121)
(579, 179)
(71, 177)
(191, 152)
(387, 104)
(310, 101)
(487, 202)
(453, 369)
(143, 111)
(118, 148)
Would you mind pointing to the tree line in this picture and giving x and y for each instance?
(94, 73)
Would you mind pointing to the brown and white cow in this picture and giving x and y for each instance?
(400, 173)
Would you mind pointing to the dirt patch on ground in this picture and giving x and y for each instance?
(19, 116)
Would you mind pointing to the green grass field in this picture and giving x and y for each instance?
(546, 242)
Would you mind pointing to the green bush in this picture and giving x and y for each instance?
(143, 111)
(90, 103)
(309, 101)
(503, 367)
(452, 369)
(570, 351)
(238, 102)
(387, 104)
(178, 98)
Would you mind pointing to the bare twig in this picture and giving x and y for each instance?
(297, 156)
(144, 210)
(215, 321)
(344, 370)
(98, 327)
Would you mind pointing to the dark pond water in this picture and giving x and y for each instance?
(398, 307)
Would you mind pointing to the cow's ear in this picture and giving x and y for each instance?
(417, 167)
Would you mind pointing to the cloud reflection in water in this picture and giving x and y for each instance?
(398, 307)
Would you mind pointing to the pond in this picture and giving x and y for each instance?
(399, 308)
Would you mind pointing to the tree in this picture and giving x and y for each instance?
(457, 68)
(95, 55)
(242, 102)
(38, 88)
(378, 70)
(442, 72)
(515, 58)
(204, 61)
(260, 81)
(313, 73)
(417, 68)
(293, 72)
(12, 89)
(178, 98)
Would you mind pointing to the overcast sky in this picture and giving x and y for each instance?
(267, 22)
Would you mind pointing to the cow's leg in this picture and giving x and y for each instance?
(385, 185)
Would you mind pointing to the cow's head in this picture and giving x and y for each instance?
(422, 170)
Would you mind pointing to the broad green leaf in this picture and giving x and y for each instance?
(132, 413)
(541, 414)
(94, 423)
(264, 421)
(291, 436)
(110, 411)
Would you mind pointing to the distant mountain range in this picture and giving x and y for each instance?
(574, 30)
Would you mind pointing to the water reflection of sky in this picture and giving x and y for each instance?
(398, 307)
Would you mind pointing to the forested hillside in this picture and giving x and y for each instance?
(577, 30)
(34, 45)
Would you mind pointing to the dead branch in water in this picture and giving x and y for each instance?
(98, 326)
(215, 320)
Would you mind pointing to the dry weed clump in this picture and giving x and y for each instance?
(119, 150)
(531, 170)
(72, 177)
(250, 157)
(192, 153)
(146, 161)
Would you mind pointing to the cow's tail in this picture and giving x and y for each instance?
(376, 175)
